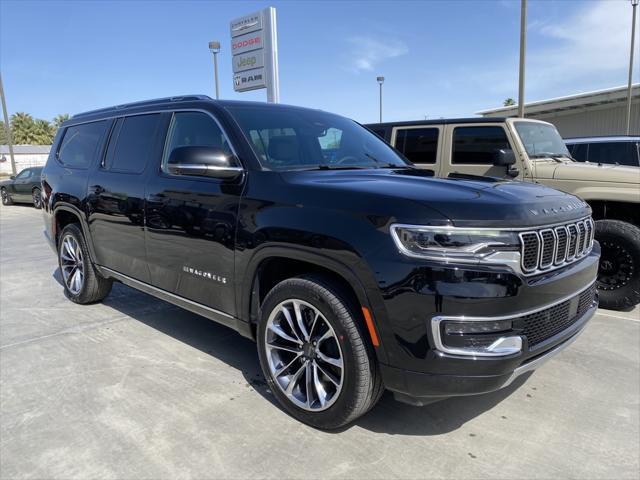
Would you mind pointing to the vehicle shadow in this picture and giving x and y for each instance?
(223, 343)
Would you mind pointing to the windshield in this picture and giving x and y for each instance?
(541, 140)
(296, 138)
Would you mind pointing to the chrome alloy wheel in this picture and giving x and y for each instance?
(72, 264)
(305, 358)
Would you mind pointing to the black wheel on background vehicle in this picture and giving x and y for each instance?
(37, 198)
(314, 354)
(6, 199)
(82, 283)
(619, 273)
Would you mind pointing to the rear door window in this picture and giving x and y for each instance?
(478, 145)
(132, 143)
(420, 145)
(80, 144)
(622, 153)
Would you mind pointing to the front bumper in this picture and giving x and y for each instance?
(418, 388)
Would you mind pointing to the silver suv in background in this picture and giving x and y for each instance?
(621, 150)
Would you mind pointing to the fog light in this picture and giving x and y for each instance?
(465, 328)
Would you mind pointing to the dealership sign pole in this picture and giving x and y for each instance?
(254, 50)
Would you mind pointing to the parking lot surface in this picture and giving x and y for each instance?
(137, 388)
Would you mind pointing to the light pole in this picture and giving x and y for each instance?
(7, 127)
(380, 82)
(215, 49)
(634, 5)
(523, 47)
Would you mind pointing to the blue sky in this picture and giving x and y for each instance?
(440, 58)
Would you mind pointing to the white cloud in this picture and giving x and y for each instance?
(592, 43)
(365, 52)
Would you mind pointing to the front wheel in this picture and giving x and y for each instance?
(82, 282)
(314, 355)
(37, 198)
(6, 199)
(619, 273)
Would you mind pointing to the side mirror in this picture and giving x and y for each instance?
(203, 162)
(504, 158)
(12, 177)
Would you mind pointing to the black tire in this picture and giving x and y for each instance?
(362, 385)
(93, 287)
(619, 273)
(37, 198)
(6, 198)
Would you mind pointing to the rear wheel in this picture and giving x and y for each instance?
(619, 273)
(82, 282)
(37, 198)
(6, 199)
(314, 355)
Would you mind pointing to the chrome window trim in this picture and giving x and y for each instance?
(169, 110)
(437, 320)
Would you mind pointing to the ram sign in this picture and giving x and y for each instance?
(254, 50)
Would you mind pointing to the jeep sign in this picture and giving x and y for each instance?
(247, 61)
(254, 50)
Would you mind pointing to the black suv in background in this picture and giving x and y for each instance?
(620, 150)
(353, 270)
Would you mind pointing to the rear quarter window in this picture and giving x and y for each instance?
(80, 143)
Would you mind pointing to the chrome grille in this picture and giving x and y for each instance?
(561, 251)
(530, 250)
(546, 248)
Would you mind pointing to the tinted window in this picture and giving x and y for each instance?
(623, 153)
(24, 174)
(80, 143)
(473, 145)
(418, 144)
(131, 144)
(295, 138)
(379, 131)
(194, 129)
(579, 151)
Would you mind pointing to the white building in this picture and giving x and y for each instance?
(25, 156)
(603, 112)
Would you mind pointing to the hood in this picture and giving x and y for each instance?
(463, 202)
(591, 172)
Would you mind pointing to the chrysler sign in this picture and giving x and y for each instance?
(254, 50)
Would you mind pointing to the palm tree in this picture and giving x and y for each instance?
(57, 121)
(509, 102)
(44, 132)
(23, 128)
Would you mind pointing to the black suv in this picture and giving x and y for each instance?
(354, 271)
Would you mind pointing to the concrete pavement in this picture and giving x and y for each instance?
(137, 388)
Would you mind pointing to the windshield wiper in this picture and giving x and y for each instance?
(387, 164)
(324, 166)
(555, 156)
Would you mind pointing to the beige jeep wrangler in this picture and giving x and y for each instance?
(533, 151)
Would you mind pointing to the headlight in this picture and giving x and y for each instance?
(452, 243)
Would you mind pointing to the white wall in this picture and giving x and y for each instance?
(594, 121)
(23, 161)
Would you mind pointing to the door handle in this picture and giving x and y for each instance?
(96, 189)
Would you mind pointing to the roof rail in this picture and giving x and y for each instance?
(143, 103)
